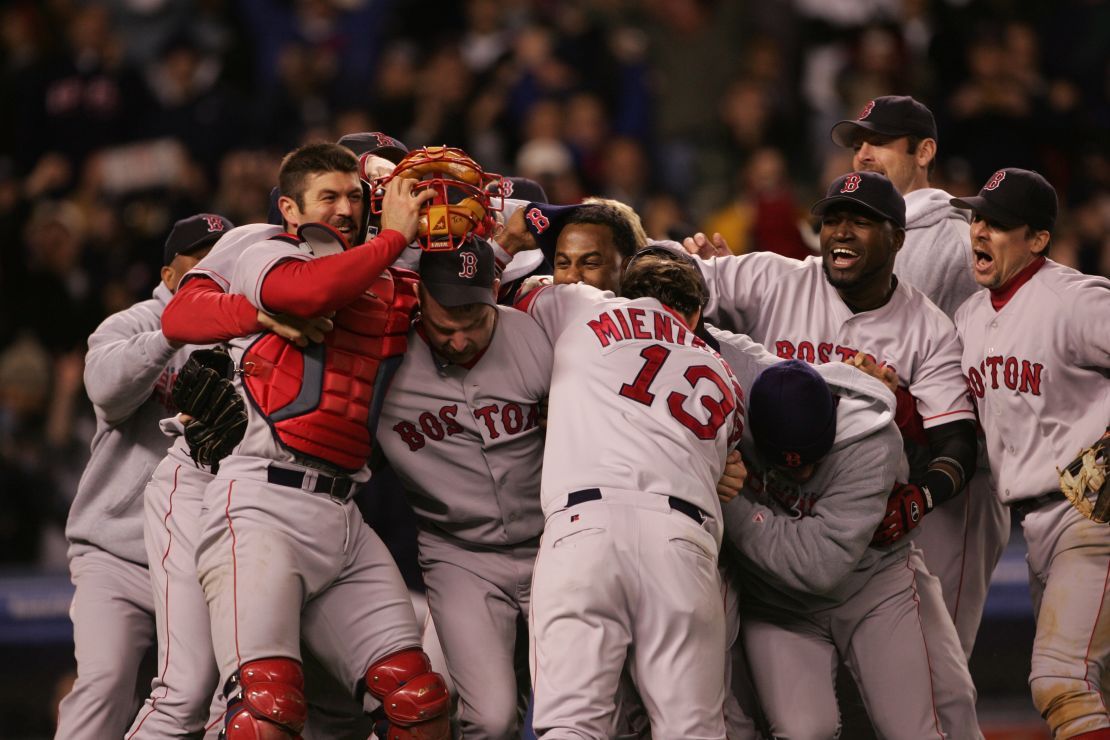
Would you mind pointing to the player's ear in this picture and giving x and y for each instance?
(290, 213)
(899, 237)
(1039, 243)
(926, 150)
(496, 287)
(169, 278)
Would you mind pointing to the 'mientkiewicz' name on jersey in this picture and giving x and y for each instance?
(1022, 376)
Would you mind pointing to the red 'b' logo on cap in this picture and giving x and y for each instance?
(507, 189)
(215, 223)
(995, 181)
(851, 184)
(539, 221)
(867, 110)
(792, 459)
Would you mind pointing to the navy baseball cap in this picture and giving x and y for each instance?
(868, 189)
(377, 143)
(520, 188)
(462, 276)
(792, 414)
(890, 115)
(193, 233)
(545, 221)
(1015, 197)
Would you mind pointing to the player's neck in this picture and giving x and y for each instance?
(869, 297)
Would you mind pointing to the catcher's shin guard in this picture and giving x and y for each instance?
(414, 698)
(265, 701)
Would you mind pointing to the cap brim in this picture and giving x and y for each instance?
(824, 204)
(392, 153)
(452, 296)
(844, 133)
(992, 211)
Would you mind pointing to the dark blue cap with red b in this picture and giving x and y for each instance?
(792, 414)
(194, 233)
(869, 190)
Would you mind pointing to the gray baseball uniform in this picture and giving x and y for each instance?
(1038, 365)
(181, 696)
(128, 374)
(476, 427)
(642, 414)
(811, 589)
(278, 561)
(962, 539)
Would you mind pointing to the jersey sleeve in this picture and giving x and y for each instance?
(738, 285)
(814, 553)
(127, 354)
(553, 306)
(938, 384)
(1089, 326)
(202, 313)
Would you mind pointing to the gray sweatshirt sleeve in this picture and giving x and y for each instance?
(127, 354)
(814, 553)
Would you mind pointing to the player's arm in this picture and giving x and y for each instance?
(1089, 325)
(553, 306)
(738, 286)
(813, 554)
(127, 354)
(744, 355)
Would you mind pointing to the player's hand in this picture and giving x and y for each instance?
(883, 373)
(733, 477)
(514, 236)
(702, 246)
(907, 506)
(297, 330)
(401, 206)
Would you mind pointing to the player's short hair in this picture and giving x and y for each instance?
(624, 238)
(628, 212)
(912, 143)
(670, 279)
(312, 159)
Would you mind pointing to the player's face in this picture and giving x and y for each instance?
(585, 253)
(798, 475)
(181, 264)
(857, 249)
(457, 334)
(998, 253)
(889, 156)
(332, 198)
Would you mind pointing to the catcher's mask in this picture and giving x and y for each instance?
(466, 196)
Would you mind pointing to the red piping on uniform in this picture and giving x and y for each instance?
(234, 579)
(925, 643)
(949, 413)
(963, 552)
(165, 555)
(1094, 628)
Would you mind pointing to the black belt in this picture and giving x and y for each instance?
(336, 487)
(683, 507)
(1026, 505)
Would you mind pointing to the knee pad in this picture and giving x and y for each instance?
(265, 701)
(414, 698)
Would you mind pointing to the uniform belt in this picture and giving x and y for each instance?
(339, 487)
(1026, 505)
(682, 507)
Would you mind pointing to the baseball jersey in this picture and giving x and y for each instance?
(219, 263)
(1037, 369)
(466, 441)
(623, 364)
(936, 256)
(790, 308)
(129, 371)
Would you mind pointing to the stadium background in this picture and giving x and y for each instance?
(121, 116)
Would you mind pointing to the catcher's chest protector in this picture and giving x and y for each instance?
(322, 401)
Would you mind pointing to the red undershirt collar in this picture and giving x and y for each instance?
(1001, 296)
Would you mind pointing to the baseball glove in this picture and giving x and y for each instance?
(1086, 476)
(203, 390)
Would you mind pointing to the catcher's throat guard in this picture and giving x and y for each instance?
(466, 196)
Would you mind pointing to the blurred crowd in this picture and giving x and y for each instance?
(125, 115)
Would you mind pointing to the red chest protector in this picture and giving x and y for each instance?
(323, 401)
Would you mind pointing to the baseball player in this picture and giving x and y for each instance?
(1036, 352)
(896, 136)
(128, 374)
(464, 407)
(283, 550)
(846, 302)
(642, 414)
(823, 454)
